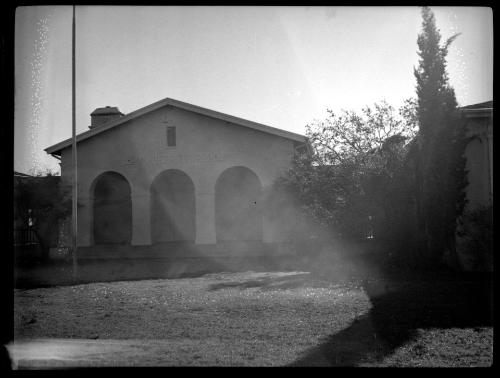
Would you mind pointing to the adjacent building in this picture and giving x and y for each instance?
(475, 228)
(479, 153)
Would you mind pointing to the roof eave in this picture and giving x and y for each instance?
(56, 149)
(480, 112)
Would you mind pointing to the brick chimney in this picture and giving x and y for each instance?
(101, 116)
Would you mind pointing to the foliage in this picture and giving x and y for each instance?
(45, 200)
(441, 176)
(356, 175)
(352, 138)
(435, 97)
(400, 176)
(476, 233)
(43, 172)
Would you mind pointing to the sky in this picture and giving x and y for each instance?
(280, 66)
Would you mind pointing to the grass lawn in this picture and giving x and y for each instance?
(267, 319)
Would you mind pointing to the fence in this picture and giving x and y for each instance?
(25, 237)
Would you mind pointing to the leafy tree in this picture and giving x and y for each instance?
(440, 172)
(42, 200)
(351, 137)
(356, 171)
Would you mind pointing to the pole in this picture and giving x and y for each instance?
(73, 148)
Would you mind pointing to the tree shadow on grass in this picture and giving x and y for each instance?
(399, 309)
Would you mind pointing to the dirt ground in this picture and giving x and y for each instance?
(259, 319)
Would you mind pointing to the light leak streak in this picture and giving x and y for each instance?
(37, 89)
(457, 66)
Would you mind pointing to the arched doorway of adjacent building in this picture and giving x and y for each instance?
(112, 209)
(172, 207)
(238, 212)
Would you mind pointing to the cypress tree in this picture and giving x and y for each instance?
(441, 179)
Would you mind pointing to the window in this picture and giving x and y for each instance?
(171, 142)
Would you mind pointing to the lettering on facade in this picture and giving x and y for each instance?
(166, 158)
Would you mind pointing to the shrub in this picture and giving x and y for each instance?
(475, 238)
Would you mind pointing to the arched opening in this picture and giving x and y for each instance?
(112, 209)
(238, 213)
(172, 207)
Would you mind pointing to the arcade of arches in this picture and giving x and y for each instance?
(238, 210)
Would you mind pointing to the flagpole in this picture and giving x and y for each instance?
(73, 106)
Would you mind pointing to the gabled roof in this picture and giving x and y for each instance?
(56, 149)
(481, 110)
(482, 105)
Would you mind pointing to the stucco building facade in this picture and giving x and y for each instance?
(175, 173)
(479, 153)
(474, 239)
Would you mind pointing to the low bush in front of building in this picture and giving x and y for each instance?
(475, 239)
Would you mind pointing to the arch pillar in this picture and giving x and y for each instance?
(141, 218)
(84, 222)
(205, 218)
